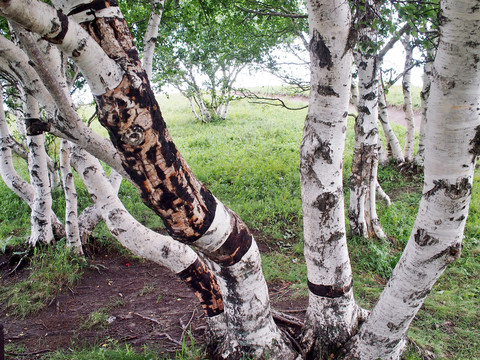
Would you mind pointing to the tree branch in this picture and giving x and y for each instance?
(272, 13)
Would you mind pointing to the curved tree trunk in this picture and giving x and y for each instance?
(332, 314)
(68, 125)
(91, 216)
(452, 149)
(407, 101)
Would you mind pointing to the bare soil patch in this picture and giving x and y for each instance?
(145, 304)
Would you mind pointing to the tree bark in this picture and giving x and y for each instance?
(163, 250)
(71, 218)
(150, 38)
(424, 95)
(407, 101)
(362, 212)
(394, 150)
(332, 314)
(15, 182)
(40, 219)
(452, 149)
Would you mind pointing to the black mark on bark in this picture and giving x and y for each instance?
(325, 201)
(475, 143)
(35, 126)
(423, 239)
(204, 283)
(58, 39)
(454, 191)
(321, 51)
(327, 91)
(329, 291)
(237, 244)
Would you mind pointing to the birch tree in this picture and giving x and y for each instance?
(332, 314)
(193, 216)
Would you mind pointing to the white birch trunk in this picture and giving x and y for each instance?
(452, 149)
(161, 249)
(134, 236)
(332, 314)
(40, 219)
(150, 38)
(394, 150)
(71, 218)
(362, 212)
(424, 95)
(407, 101)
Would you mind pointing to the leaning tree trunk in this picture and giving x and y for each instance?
(63, 121)
(332, 314)
(452, 149)
(40, 219)
(407, 101)
(128, 109)
(362, 211)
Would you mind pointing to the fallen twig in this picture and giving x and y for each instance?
(28, 354)
(148, 318)
(286, 319)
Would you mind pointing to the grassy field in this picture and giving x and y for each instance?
(251, 163)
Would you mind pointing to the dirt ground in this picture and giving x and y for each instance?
(145, 303)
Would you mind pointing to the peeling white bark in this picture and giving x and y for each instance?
(247, 305)
(362, 212)
(452, 148)
(69, 126)
(15, 182)
(424, 95)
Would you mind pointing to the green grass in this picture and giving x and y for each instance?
(250, 162)
(112, 350)
(52, 270)
(395, 96)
